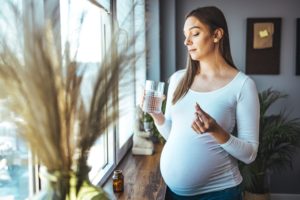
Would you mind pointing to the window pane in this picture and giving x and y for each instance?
(81, 27)
(125, 20)
(97, 159)
(14, 173)
(132, 24)
(14, 165)
(99, 171)
(140, 46)
(126, 116)
(87, 31)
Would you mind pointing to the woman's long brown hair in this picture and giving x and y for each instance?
(214, 19)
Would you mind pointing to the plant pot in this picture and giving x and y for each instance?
(254, 196)
(148, 126)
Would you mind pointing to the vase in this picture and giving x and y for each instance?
(56, 190)
(54, 185)
(87, 191)
(254, 196)
(148, 126)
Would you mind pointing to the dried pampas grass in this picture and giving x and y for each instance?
(43, 89)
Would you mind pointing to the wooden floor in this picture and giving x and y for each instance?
(142, 178)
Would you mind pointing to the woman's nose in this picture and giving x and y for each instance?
(187, 41)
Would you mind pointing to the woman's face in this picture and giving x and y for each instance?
(198, 38)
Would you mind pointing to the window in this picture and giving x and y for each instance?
(87, 32)
(95, 32)
(124, 17)
(131, 23)
(88, 41)
(15, 165)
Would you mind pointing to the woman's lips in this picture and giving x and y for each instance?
(192, 50)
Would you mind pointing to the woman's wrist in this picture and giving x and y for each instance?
(158, 118)
(220, 135)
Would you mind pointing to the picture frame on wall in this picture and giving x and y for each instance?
(298, 48)
(263, 45)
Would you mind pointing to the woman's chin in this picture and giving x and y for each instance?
(194, 57)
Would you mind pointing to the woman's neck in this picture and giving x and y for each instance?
(213, 65)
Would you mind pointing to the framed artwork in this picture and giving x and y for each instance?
(298, 48)
(263, 45)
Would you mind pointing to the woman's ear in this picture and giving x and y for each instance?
(218, 34)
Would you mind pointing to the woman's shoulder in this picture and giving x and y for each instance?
(244, 83)
(176, 76)
(245, 79)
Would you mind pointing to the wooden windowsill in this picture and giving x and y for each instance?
(142, 178)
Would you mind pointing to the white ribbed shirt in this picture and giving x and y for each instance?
(194, 163)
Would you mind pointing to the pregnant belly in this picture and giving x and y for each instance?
(187, 163)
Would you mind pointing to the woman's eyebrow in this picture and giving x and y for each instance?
(193, 27)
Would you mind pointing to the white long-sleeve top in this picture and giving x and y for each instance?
(194, 163)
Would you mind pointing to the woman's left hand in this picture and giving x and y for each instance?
(203, 122)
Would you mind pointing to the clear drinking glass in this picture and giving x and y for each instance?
(153, 96)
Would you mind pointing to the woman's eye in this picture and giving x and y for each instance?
(196, 34)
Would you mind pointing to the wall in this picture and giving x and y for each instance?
(152, 40)
(167, 39)
(236, 12)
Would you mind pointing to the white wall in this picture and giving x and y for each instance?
(236, 12)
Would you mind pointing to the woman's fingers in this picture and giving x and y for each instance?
(202, 117)
(197, 106)
(203, 121)
(195, 128)
(198, 120)
(198, 125)
(199, 110)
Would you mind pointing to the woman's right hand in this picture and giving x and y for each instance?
(159, 118)
(142, 99)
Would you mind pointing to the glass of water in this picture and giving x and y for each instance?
(153, 96)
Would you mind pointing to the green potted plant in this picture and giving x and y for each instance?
(278, 140)
(147, 121)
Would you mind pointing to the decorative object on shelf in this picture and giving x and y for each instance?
(142, 145)
(43, 89)
(263, 45)
(279, 138)
(148, 123)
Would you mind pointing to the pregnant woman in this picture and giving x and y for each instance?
(205, 102)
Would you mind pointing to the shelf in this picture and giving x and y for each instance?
(142, 177)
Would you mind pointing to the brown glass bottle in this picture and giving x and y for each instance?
(118, 181)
